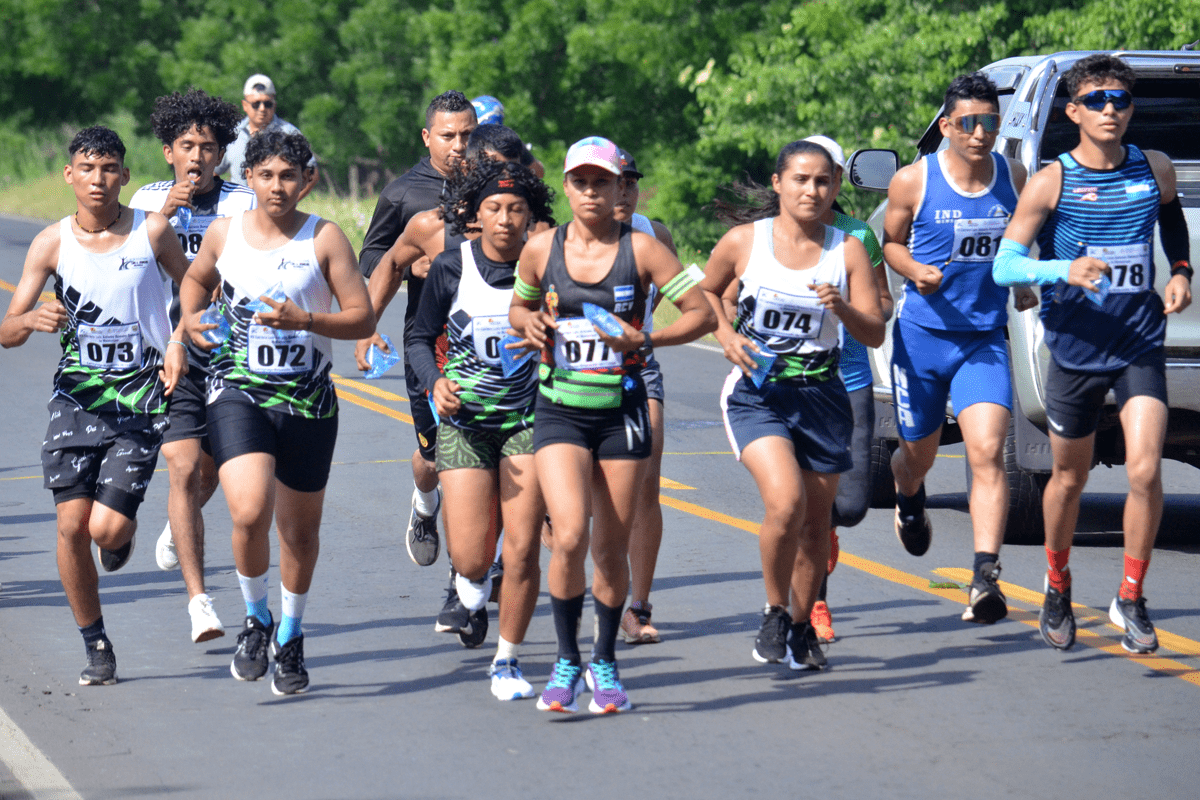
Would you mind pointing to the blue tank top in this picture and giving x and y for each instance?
(855, 364)
(1110, 215)
(959, 232)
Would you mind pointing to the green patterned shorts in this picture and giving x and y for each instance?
(459, 448)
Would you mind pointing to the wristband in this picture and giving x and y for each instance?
(308, 327)
(526, 292)
(176, 341)
(1182, 267)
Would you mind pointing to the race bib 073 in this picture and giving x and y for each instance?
(112, 348)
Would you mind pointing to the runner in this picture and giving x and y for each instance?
(945, 216)
(645, 536)
(108, 408)
(426, 236)
(195, 129)
(272, 410)
(1093, 212)
(449, 120)
(485, 442)
(794, 433)
(591, 431)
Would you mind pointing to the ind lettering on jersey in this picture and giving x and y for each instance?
(946, 214)
(622, 298)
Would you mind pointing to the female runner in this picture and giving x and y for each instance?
(591, 432)
(272, 411)
(797, 279)
(485, 441)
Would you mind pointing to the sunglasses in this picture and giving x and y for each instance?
(267, 104)
(1096, 100)
(968, 122)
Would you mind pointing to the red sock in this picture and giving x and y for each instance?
(1135, 573)
(1059, 573)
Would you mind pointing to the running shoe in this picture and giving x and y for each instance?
(771, 645)
(507, 681)
(495, 574)
(113, 560)
(475, 631)
(164, 551)
(250, 658)
(101, 669)
(290, 675)
(1131, 616)
(454, 616)
(806, 650)
(562, 692)
(1057, 620)
(986, 604)
(915, 533)
(822, 622)
(636, 626)
(608, 695)
(205, 623)
(833, 551)
(421, 538)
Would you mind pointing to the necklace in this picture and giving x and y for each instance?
(98, 230)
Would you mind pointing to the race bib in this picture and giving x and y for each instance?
(273, 352)
(578, 346)
(112, 348)
(787, 315)
(978, 239)
(487, 333)
(1130, 266)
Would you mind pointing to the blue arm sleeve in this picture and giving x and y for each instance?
(1014, 267)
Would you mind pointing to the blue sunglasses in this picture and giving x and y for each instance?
(1096, 100)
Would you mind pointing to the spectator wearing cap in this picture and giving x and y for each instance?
(258, 101)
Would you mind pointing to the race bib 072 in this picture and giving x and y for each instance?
(272, 352)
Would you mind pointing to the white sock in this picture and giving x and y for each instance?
(473, 595)
(505, 650)
(426, 503)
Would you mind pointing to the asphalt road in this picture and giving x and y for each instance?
(915, 703)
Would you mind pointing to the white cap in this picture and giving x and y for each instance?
(833, 148)
(256, 80)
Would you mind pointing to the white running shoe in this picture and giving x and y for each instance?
(507, 681)
(164, 551)
(205, 624)
(471, 594)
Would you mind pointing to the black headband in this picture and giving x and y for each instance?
(502, 184)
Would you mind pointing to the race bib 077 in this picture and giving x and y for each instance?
(578, 346)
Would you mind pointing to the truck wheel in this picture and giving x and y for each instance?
(1025, 522)
(883, 485)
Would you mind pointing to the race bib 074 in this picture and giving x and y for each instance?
(787, 315)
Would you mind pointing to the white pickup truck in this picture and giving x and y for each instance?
(1035, 130)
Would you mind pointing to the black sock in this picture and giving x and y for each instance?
(911, 506)
(609, 624)
(94, 632)
(824, 588)
(566, 625)
(982, 558)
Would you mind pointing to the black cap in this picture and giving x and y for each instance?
(628, 165)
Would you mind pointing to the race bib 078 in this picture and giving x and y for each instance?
(578, 346)
(112, 348)
(1130, 266)
(272, 352)
(787, 315)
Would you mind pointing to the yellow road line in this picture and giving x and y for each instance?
(372, 405)
(44, 297)
(374, 391)
(667, 483)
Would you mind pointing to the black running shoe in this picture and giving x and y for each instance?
(454, 616)
(1131, 616)
(101, 669)
(806, 648)
(496, 574)
(771, 645)
(290, 675)
(915, 532)
(986, 604)
(113, 560)
(250, 658)
(421, 538)
(1057, 620)
(475, 631)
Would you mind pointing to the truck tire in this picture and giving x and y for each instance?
(1025, 523)
(883, 485)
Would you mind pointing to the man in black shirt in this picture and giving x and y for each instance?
(449, 120)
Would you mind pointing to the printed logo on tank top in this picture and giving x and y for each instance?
(133, 263)
(622, 298)
(1087, 194)
(287, 263)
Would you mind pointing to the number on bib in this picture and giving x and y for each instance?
(486, 333)
(1130, 266)
(787, 315)
(578, 346)
(112, 348)
(272, 352)
(977, 240)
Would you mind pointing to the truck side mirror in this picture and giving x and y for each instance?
(872, 169)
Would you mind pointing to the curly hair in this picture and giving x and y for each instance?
(291, 147)
(1098, 68)
(753, 201)
(461, 206)
(97, 141)
(498, 139)
(175, 114)
(450, 102)
(973, 86)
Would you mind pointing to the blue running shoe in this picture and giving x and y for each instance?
(507, 681)
(562, 692)
(608, 695)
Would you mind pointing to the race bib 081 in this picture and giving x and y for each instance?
(978, 239)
